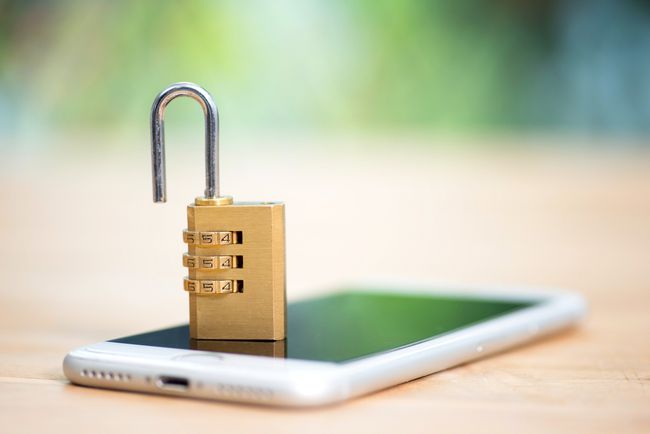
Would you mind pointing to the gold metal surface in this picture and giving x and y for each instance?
(213, 201)
(247, 301)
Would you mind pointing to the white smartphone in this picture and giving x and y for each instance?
(339, 346)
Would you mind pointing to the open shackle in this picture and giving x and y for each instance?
(158, 138)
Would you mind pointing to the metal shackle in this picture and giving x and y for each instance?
(158, 138)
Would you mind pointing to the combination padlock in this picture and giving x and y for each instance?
(236, 251)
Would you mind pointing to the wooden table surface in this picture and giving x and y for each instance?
(85, 256)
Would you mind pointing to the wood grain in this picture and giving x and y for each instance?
(84, 254)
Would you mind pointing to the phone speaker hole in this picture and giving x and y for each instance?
(243, 392)
(105, 375)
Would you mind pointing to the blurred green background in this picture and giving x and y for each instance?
(328, 67)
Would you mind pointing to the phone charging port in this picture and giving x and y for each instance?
(178, 384)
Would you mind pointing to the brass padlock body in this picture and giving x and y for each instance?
(256, 308)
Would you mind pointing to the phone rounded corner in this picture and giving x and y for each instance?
(69, 366)
(73, 364)
(573, 302)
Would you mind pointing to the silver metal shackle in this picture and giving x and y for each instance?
(158, 138)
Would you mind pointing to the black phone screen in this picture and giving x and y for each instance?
(349, 325)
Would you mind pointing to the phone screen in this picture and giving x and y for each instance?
(349, 325)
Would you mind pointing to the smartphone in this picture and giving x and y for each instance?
(339, 346)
